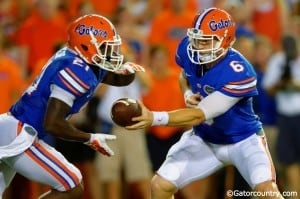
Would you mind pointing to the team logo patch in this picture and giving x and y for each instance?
(208, 89)
(30, 130)
(81, 29)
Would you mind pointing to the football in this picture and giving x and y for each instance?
(123, 110)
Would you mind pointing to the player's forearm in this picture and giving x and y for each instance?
(117, 79)
(56, 124)
(186, 117)
(65, 130)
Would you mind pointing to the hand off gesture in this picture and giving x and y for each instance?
(143, 121)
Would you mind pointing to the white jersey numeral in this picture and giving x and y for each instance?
(236, 66)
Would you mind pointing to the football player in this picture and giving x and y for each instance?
(67, 82)
(218, 85)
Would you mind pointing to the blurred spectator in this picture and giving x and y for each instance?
(169, 26)
(160, 138)
(11, 78)
(83, 8)
(241, 11)
(282, 79)
(293, 26)
(153, 7)
(131, 154)
(204, 4)
(269, 18)
(141, 13)
(12, 84)
(131, 33)
(105, 8)
(136, 7)
(36, 35)
(191, 5)
(245, 45)
(294, 7)
(12, 13)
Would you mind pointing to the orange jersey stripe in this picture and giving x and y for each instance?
(243, 81)
(238, 91)
(19, 128)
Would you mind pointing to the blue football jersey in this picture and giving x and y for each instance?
(233, 76)
(69, 72)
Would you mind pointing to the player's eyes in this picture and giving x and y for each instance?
(197, 43)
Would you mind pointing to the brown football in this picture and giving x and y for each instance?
(123, 110)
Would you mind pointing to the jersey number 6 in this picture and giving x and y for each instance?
(236, 66)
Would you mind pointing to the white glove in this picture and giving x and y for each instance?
(98, 143)
(129, 68)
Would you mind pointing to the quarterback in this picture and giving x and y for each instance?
(218, 85)
(67, 82)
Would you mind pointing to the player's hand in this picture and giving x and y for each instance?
(143, 121)
(191, 99)
(129, 68)
(98, 143)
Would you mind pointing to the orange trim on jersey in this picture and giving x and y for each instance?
(264, 143)
(238, 91)
(243, 81)
(58, 162)
(69, 86)
(77, 79)
(19, 128)
(48, 169)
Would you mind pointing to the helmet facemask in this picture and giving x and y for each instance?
(203, 56)
(108, 55)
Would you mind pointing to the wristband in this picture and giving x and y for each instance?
(160, 118)
(90, 140)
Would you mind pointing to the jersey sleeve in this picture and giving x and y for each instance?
(74, 79)
(239, 80)
(181, 55)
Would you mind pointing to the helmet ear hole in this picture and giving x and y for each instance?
(84, 47)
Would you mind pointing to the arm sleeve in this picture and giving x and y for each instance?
(61, 94)
(216, 104)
